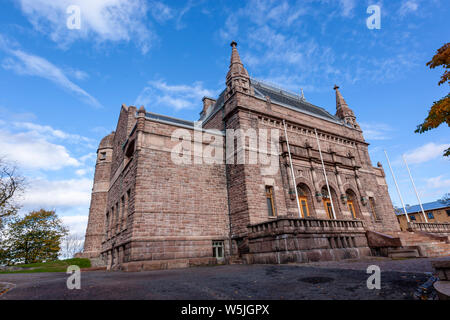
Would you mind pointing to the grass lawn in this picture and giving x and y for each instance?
(53, 266)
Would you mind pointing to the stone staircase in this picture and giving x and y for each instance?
(425, 245)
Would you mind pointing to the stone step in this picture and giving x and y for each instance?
(406, 252)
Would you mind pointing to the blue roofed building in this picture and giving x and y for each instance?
(436, 212)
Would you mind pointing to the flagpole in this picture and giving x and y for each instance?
(292, 170)
(325, 174)
(396, 185)
(414, 185)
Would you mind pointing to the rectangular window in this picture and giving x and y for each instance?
(102, 156)
(373, 208)
(218, 249)
(430, 215)
(351, 207)
(328, 208)
(448, 213)
(304, 206)
(413, 217)
(122, 212)
(270, 202)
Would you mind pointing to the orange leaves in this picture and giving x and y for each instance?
(442, 58)
(440, 111)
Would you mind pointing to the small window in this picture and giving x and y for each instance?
(448, 213)
(218, 249)
(130, 149)
(328, 208)
(430, 215)
(413, 217)
(270, 202)
(373, 208)
(304, 206)
(102, 156)
(351, 207)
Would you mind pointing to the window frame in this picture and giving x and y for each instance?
(328, 208)
(270, 197)
(351, 207)
(216, 245)
(300, 200)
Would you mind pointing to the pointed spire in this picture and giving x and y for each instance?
(236, 66)
(237, 79)
(343, 111)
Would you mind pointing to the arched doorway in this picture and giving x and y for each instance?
(352, 203)
(305, 200)
(326, 199)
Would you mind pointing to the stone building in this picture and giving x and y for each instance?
(150, 212)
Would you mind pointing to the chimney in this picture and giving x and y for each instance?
(207, 103)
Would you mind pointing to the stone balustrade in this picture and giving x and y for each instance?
(430, 227)
(309, 225)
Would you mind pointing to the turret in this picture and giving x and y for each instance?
(97, 211)
(343, 111)
(237, 79)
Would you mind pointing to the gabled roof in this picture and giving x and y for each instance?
(290, 100)
(281, 97)
(436, 205)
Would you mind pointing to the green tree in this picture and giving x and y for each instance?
(33, 238)
(440, 111)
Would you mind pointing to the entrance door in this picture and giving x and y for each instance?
(328, 208)
(304, 206)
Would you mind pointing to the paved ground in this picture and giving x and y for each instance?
(328, 280)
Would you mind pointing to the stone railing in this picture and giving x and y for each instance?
(296, 225)
(430, 227)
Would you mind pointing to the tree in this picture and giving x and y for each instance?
(71, 245)
(440, 110)
(445, 198)
(11, 185)
(33, 238)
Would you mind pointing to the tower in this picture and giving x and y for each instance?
(96, 224)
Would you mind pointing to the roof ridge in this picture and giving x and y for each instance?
(274, 86)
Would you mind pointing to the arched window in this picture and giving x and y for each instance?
(352, 204)
(304, 199)
(326, 198)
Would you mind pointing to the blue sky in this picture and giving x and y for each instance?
(61, 90)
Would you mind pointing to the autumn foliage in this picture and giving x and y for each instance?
(34, 238)
(440, 111)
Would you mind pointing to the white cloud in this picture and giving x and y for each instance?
(38, 147)
(347, 7)
(426, 153)
(376, 131)
(161, 12)
(101, 20)
(161, 94)
(49, 132)
(42, 193)
(438, 183)
(23, 63)
(408, 6)
(76, 224)
(35, 153)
